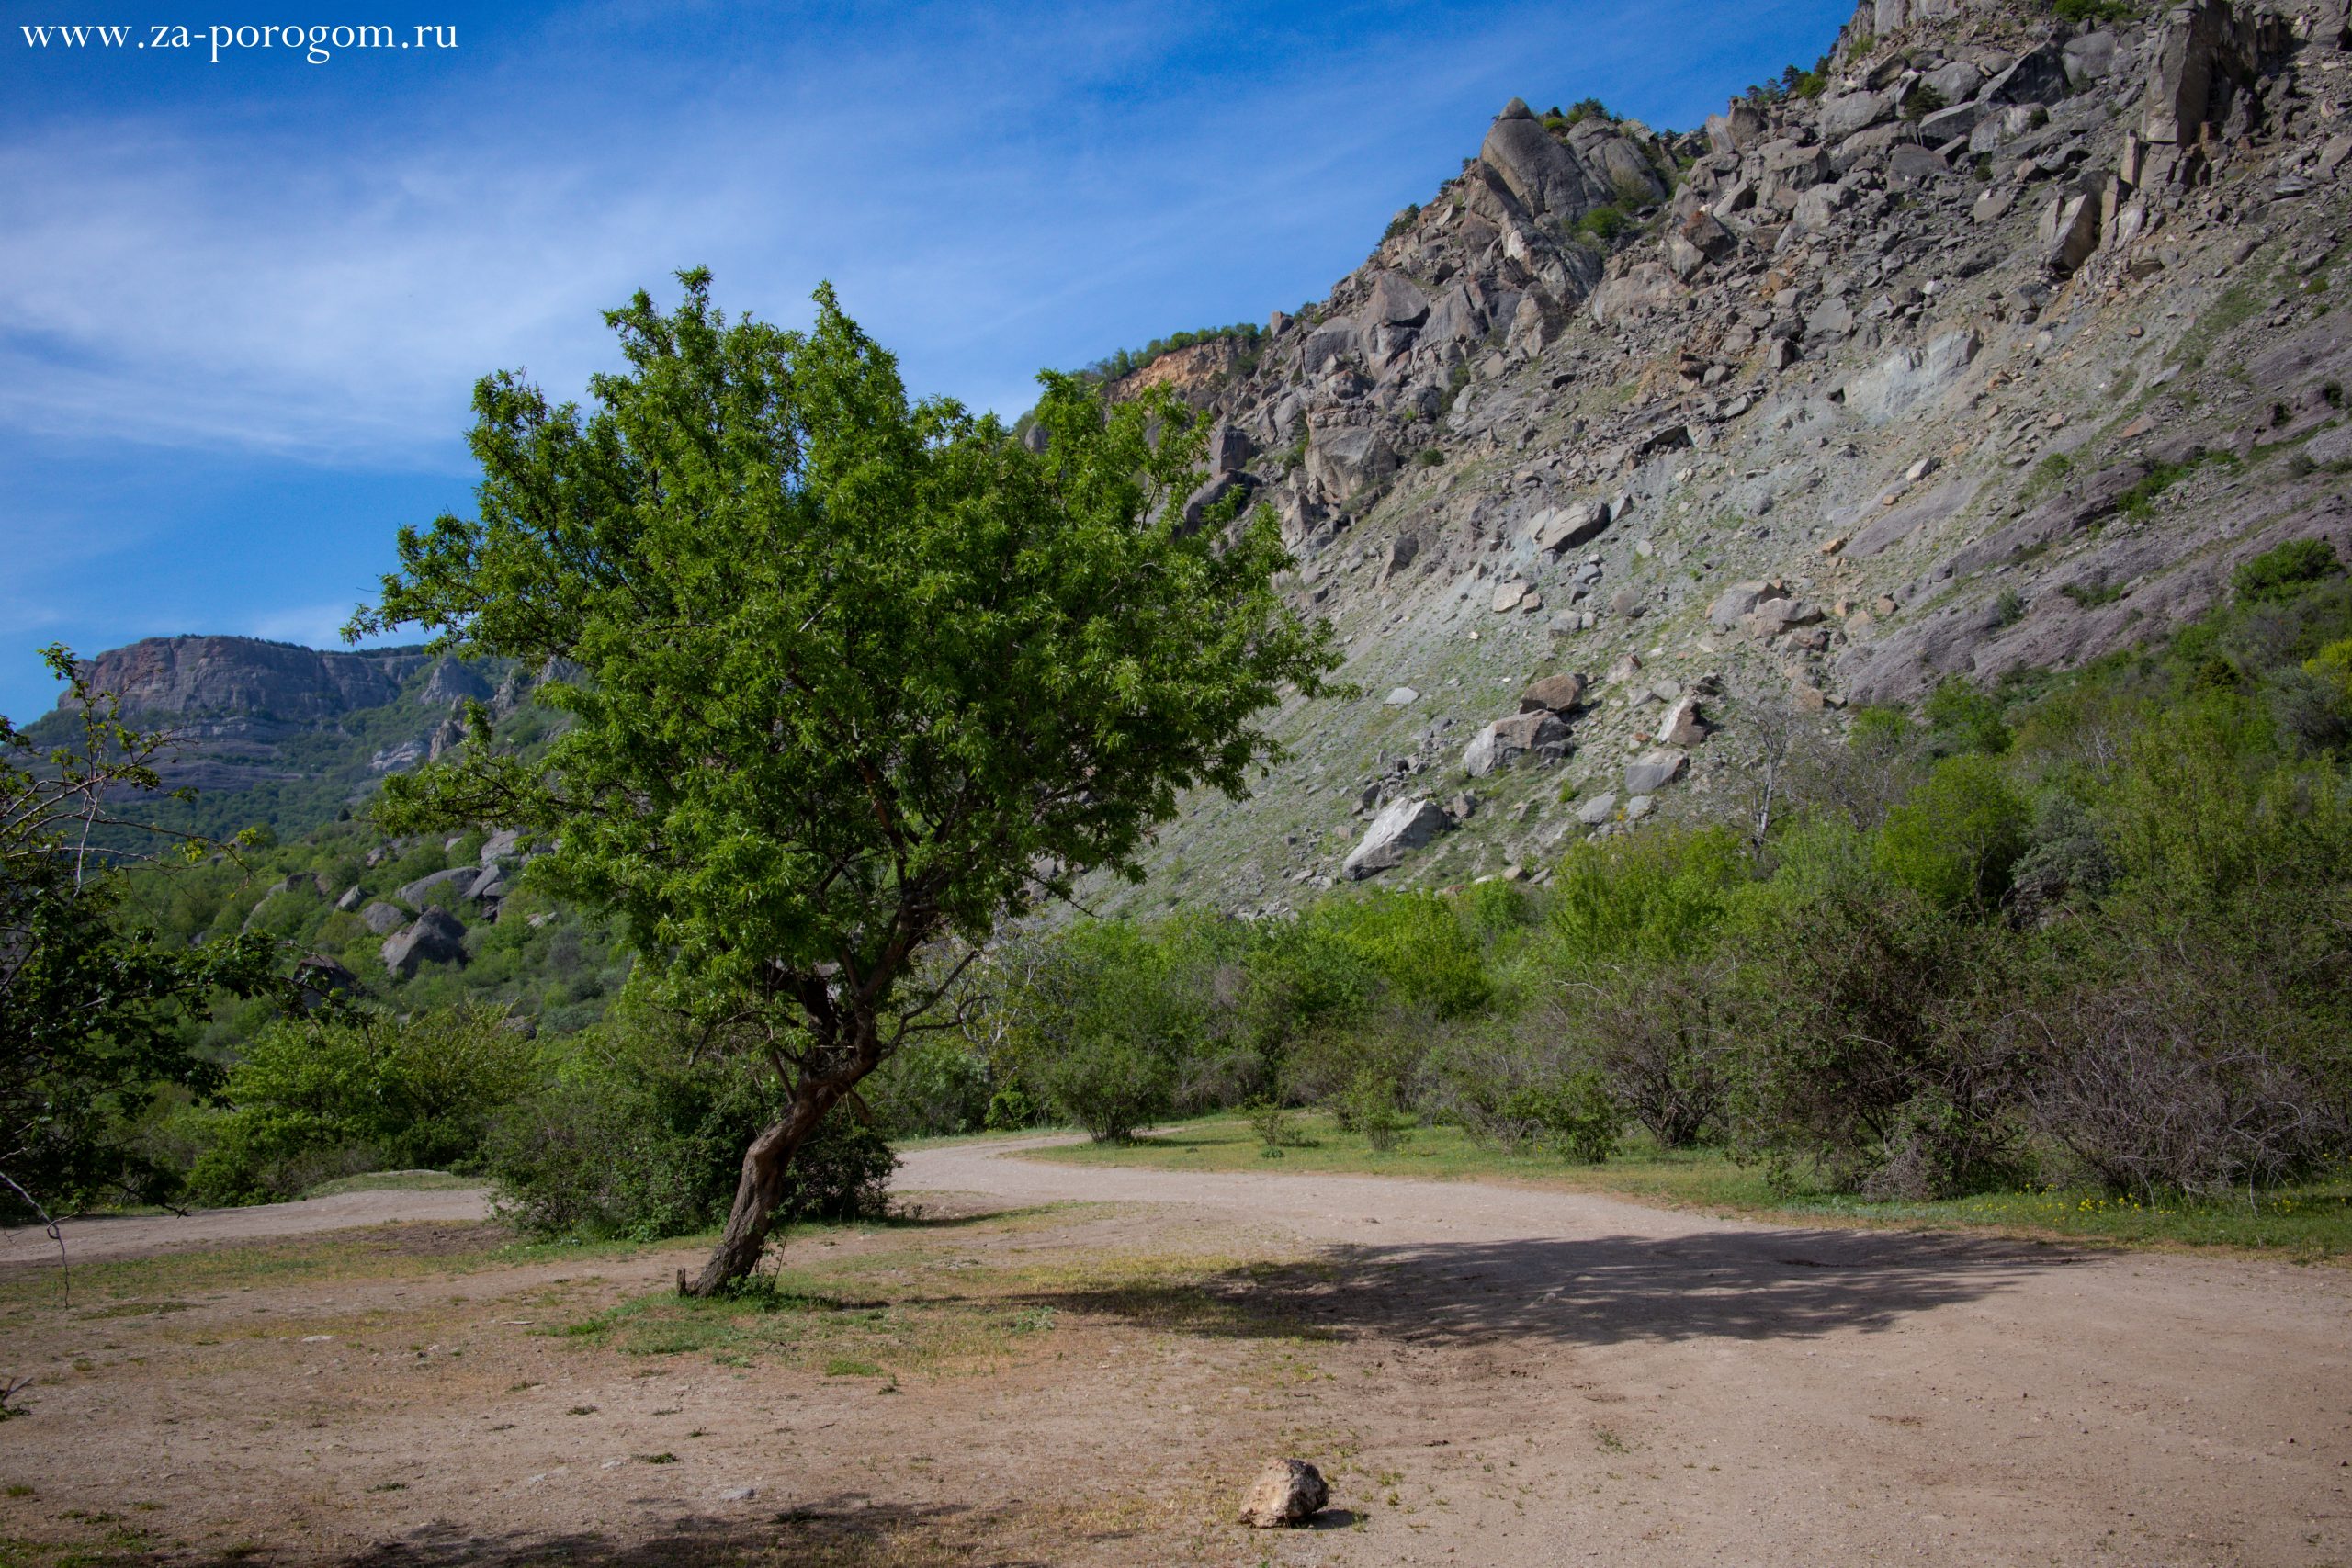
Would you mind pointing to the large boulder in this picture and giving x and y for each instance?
(1736, 129)
(1773, 616)
(2039, 77)
(413, 894)
(1653, 770)
(1345, 461)
(1228, 448)
(1288, 1492)
(1331, 341)
(1402, 827)
(1735, 601)
(1595, 167)
(1553, 693)
(1558, 527)
(1456, 318)
(2069, 231)
(2206, 54)
(1506, 741)
(382, 919)
(1682, 724)
(1847, 113)
(1395, 302)
(436, 938)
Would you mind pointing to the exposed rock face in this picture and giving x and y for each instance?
(245, 677)
(1506, 741)
(1287, 1492)
(382, 919)
(436, 938)
(1401, 828)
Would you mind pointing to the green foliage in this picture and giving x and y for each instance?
(640, 1133)
(1656, 894)
(1961, 718)
(2281, 573)
(329, 1094)
(1373, 1105)
(1955, 838)
(1100, 1022)
(2078, 11)
(858, 675)
(97, 1011)
(1604, 223)
(1400, 225)
(1922, 100)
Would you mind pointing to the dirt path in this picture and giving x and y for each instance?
(1491, 1375)
(1759, 1393)
(93, 1241)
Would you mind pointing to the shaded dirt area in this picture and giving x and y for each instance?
(1061, 1364)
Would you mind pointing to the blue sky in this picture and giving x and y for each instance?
(244, 302)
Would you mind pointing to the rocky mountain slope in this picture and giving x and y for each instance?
(1997, 353)
(1994, 344)
(273, 733)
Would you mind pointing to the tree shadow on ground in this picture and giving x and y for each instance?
(1606, 1290)
(838, 1532)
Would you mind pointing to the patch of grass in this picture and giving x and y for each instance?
(395, 1181)
(2310, 1222)
(2239, 303)
(928, 1308)
(2139, 502)
(2090, 598)
(2047, 476)
(382, 1252)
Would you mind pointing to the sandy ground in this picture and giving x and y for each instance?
(1493, 1375)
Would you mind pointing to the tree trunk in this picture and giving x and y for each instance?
(757, 1193)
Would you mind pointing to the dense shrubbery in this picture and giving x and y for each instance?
(640, 1131)
(2089, 930)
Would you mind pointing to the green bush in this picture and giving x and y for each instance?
(1657, 893)
(642, 1134)
(1604, 223)
(1955, 838)
(1111, 1085)
(325, 1095)
(1372, 1104)
(2281, 574)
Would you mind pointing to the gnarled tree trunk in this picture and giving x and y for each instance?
(761, 1186)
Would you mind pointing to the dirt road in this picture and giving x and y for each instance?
(93, 1241)
(1491, 1375)
(1720, 1391)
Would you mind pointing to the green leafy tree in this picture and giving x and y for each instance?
(90, 1007)
(856, 676)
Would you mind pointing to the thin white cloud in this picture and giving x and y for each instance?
(973, 182)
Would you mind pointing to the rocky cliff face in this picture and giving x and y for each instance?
(2000, 352)
(304, 728)
(240, 677)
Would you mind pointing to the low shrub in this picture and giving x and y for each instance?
(642, 1135)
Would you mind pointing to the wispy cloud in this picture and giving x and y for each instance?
(990, 188)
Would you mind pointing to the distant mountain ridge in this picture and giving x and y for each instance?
(247, 677)
(278, 735)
